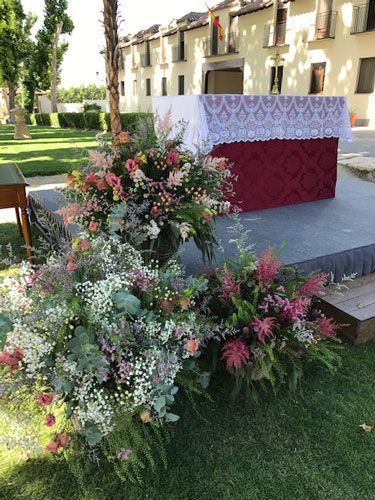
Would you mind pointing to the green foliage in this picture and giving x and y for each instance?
(15, 27)
(54, 119)
(92, 121)
(30, 119)
(43, 119)
(82, 92)
(91, 107)
(5, 328)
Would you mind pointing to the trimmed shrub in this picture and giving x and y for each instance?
(73, 120)
(30, 119)
(91, 120)
(43, 119)
(54, 119)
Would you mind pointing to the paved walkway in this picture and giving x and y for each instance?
(357, 159)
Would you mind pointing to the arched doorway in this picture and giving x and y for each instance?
(225, 81)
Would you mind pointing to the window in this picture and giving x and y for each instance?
(281, 18)
(280, 70)
(134, 87)
(122, 88)
(181, 54)
(164, 86)
(318, 71)
(233, 34)
(215, 38)
(148, 86)
(366, 76)
(181, 84)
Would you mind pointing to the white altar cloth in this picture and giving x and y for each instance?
(212, 119)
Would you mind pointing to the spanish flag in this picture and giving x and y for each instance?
(216, 23)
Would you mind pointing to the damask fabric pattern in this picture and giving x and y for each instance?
(233, 118)
(281, 172)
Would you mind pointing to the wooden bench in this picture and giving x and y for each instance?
(13, 195)
(355, 308)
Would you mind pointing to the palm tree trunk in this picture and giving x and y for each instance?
(12, 89)
(112, 61)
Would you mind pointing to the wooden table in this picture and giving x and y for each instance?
(13, 195)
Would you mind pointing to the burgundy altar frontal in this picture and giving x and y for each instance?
(281, 172)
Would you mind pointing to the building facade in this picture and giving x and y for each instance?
(316, 46)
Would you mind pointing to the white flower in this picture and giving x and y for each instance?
(176, 178)
(152, 230)
(185, 230)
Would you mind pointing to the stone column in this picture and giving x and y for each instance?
(21, 130)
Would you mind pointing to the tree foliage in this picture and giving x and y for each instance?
(15, 43)
(38, 65)
(78, 94)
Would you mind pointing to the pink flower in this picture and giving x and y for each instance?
(113, 180)
(70, 212)
(50, 420)
(71, 266)
(268, 267)
(101, 185)
(327, 326)
(44, 399)
(84, 244)
(131, 165)
(222, 165)
(192, 345)
(314, 285)
(172, 158)
(207, 216)
(235, 353)
(94, 226)
(263, 327)
(90, 178)
(52, 447)
(70, 180)
(11, 359)
(122, 138)
(154, 211)
(63, 439)
(294, 309)
(124, 454)
(229, 286)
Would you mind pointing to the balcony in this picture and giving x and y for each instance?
(363, 18)
(275, 35)
(216, 47)
(179, 53)
(324, 27)
(146, 60)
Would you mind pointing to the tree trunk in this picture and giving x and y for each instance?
(11, 98)
(54, 67)
(112, 61)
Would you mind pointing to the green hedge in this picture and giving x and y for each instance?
(89, 120)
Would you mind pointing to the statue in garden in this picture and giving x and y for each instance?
(21, 130)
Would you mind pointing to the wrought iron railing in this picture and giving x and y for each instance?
(363, 18)
(324, 27)
(179, 53)
(145, 60)
(275, 34)
(216, 47)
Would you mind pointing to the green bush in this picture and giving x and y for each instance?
(30, 119)
(91, 107)
(43, 119)
(91, 120)
(54, 119)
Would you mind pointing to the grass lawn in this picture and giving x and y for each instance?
(305, 446)
(50, 151)
(308, 446)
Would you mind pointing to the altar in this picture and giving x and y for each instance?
(283, 148)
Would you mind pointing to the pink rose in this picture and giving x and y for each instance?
(90, 178)
(44, 399)
(173, 157)
(154, 211)
(71, 266)
(101, 185)
(63, 440)
(52, 447)
(12, 360)
(192, 346)
(94, 226)
(50, 420)
(84, 245)
(131, 165)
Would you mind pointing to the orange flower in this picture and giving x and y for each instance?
(192, 345)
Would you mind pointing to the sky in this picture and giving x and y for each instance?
(83, 63)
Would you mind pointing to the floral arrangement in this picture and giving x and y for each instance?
(279, 326)
(97, 333)
(152, 197)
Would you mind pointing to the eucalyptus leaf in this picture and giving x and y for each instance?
(171, 417)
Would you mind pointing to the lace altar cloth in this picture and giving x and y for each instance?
(213, 119)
